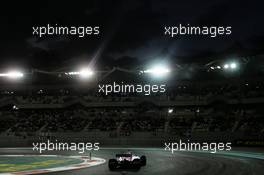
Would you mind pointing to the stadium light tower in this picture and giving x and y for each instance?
(12, 75)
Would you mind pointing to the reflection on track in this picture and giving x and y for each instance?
(164, 163)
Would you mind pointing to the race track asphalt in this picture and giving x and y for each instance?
(160, 162)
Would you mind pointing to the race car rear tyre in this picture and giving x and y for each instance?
(143, 160)
(112, 164)
(136, 163)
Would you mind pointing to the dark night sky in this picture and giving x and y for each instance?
(131, 31)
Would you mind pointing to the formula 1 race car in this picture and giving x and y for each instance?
(127, 160)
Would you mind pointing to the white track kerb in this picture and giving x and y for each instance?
(86, 162)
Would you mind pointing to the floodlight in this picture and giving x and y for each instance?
(12, 74)
(233, 65)
(15, 107)
(170, 111)
(226, 66)
(158, 70)
(72, 73)
(83, 73)
(86, 73)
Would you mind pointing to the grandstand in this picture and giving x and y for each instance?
(198, 111)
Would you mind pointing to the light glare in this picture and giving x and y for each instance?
(226, 66)
(86, 73)
(233, 65)
(170, 111)
(158, 70)
(12, 75)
